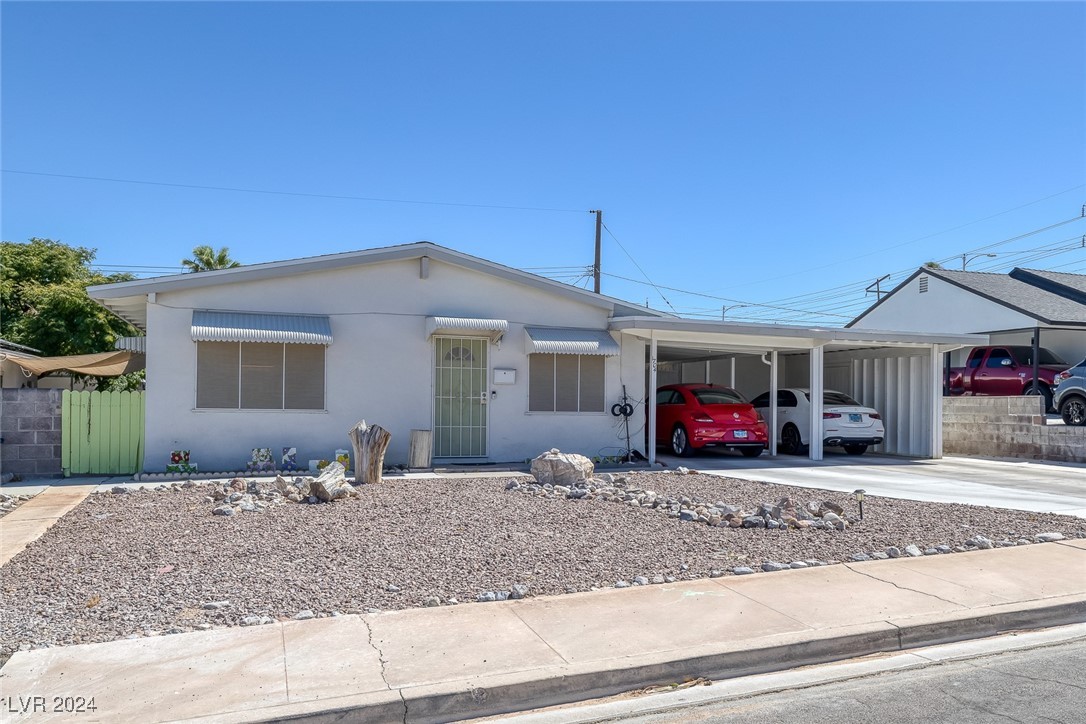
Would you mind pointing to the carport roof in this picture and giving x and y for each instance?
(765, 337)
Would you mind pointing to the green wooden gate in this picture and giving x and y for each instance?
(102, 432)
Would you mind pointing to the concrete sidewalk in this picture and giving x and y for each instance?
(26, 523)
(439, 664)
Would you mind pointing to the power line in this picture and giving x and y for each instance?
(340, 197)
(922, 238)
(651, 283)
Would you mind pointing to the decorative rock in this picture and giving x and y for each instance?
(621, 584)
(715, 573)
(754, 521)
(893, 552)
(880, 555)
(558, 468)
(669, 579)
(1023, 542)
(431, 602)
(930, 552)
(332, 484)
(797, 564)
(742, 571)
(944, 548)
(392, 588)
(657, 579)
(1048, 537)
(256, 620)
(486, 596)
(518, 591)
(831, 506)
(215, 605)
(858, 557)
(913, 551)
(771, 566)
(304, 615)
(501, 595)
(640, 581)
(118, 490)
(223, 510)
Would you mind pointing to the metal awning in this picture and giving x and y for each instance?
(132, 344)
(466, 327)
(208, 326)
(102, 364)
(561, 340)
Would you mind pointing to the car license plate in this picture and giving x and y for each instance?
(855, 417)
(740, 434)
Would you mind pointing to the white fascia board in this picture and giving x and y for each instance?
(780, 336)
(290, 267)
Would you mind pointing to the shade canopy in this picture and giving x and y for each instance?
(102, 364)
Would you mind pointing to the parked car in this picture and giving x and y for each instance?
(1006, 370)
(845, 422)
(1069, 396)
(695, 416)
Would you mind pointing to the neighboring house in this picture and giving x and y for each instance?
(499, 364)
(1007, 307)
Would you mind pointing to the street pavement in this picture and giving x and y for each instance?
(450, 662)
(1046, 683)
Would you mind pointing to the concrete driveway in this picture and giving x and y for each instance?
(1002, 483)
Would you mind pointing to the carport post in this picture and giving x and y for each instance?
(651, 394)
(817, 385)
(937, 402)
(772, 401)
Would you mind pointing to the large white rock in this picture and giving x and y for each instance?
(559, 468)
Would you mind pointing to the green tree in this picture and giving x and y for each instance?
(204, 258)
(932, 265)
(44, 302)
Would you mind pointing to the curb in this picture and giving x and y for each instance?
(556, 685)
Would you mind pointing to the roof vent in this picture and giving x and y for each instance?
(923, 284)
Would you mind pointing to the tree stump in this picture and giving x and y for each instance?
(369, 443)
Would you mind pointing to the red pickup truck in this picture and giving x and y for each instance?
(1006, 370)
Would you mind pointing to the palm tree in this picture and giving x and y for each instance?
(204, 258)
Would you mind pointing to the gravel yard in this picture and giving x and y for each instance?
(147, 563)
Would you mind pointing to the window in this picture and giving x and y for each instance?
(565, 383)
(258, 376)
(668, 397)
(718, 396)
(996, 357)
(1046, 357)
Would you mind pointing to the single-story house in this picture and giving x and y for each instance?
(497, 363)
(1006, 307)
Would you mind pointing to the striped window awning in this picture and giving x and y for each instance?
(466, 327)
(560, 340)
(131, 344)
(210, 326)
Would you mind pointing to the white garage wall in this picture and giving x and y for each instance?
(897, 383)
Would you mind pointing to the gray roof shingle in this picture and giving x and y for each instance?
(1047, 306)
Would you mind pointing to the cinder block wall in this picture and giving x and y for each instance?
(1011, 427)
(30, 429)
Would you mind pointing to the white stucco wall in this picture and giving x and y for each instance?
(943, 308)
(379, 368)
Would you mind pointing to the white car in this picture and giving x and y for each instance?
(845, 422)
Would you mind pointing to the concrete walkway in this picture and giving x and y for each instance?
(1044, 487)
(438, 664)
(26, 523)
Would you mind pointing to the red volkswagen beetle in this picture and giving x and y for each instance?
(694, 416)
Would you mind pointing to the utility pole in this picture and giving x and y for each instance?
(596, 265)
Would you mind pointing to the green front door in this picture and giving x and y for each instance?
(460, 397)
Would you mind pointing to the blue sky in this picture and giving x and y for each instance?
(760, 153)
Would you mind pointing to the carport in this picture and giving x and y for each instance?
(897, 373)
